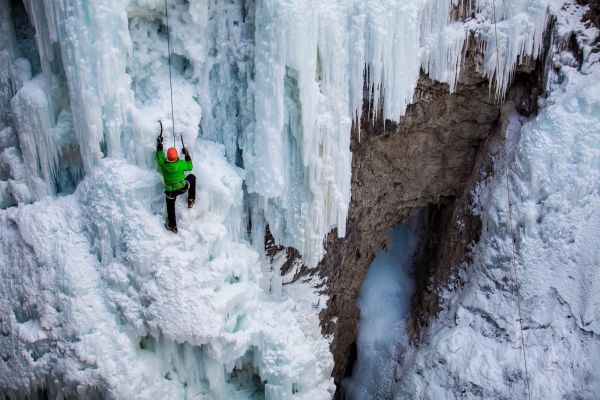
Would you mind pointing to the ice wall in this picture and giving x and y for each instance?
(278, 83)
(99, 300)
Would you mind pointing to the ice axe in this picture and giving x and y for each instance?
(182, 144)
(161, 129)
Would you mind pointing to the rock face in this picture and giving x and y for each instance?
(428, 159)
(453, 228)
(397, 169)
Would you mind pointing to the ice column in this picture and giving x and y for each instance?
(34, 121)
(94, 45)
(15, 71)
(30, 162)
(12, 73)
(442, 42)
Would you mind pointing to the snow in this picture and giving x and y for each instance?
(474, 347)
(384, 304)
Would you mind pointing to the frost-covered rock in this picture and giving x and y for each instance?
(474, 350)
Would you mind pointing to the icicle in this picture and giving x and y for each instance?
(520, 26)
(92, 39)
(34, 122)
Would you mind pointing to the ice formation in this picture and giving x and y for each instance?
(102, 298)
(278, 83)
(265, 97)
(519, 29)
(97, 299)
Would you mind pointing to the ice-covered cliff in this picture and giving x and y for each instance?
(550, 164)
(97, 299)
(538, 175)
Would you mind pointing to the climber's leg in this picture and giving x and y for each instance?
(171, 219)
(191, 179)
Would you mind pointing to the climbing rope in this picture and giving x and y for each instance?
(170, 79)
(510, 225)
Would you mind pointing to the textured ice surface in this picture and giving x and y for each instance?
(519, 29)
(96, 293)
(473, 350)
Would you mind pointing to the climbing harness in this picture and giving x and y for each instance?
(171, 187)
(510, 227)
(170, 79)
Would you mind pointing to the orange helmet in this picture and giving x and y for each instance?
(172, 155)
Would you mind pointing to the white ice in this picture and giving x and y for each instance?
(96, 293)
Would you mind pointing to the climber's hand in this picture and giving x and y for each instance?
(185, 152)
(159, 140)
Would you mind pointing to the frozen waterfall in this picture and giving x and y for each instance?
(97, 300)
(384, 302)
(278, 83)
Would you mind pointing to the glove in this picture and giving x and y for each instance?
(159, 140)
(185, 152)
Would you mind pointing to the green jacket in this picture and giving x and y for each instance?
(173, 172)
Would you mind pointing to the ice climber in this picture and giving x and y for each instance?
(176, 183)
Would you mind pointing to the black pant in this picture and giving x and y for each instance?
(172, 196)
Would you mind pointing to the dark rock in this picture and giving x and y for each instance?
(397, 169)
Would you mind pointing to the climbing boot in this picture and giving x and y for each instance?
(191, 203)
(171, 228)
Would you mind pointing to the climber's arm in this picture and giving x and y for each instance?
(160, 155)
(188, 160)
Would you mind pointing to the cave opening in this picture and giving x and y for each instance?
(25, 35)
